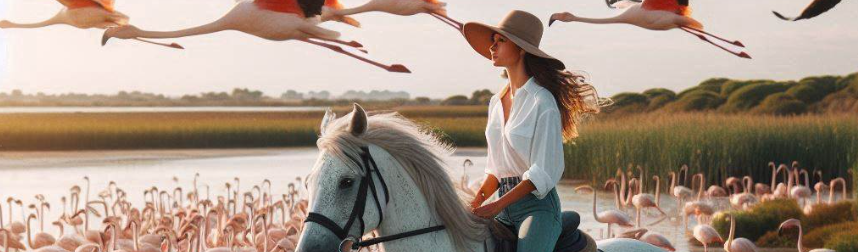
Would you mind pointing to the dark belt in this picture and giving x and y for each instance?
(507, 184)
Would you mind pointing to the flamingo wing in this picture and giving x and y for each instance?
(74, 4)
(621, 4)
(676, 6)
(816, 8)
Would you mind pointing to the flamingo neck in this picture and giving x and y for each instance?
(29, 238)
(610, 20)
(800, 235)
(774, 175)
(595, 216)
(657, 190)
(216, 26)
(369, 6)
(12, 25)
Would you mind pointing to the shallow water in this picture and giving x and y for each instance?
(25, 174)
(37, 110)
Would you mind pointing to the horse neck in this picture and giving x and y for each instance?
(409, 210)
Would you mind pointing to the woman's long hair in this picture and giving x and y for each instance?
(575, 98)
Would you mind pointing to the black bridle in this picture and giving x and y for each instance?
(368, 165)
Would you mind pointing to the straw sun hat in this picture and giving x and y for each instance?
(520, 27)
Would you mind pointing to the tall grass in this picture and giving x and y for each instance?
(717, 145)
(92, 131)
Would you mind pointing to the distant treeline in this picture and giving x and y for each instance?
(238, 97)
(817, 94)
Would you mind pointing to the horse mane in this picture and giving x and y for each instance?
(419, 152)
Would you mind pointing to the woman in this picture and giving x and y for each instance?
(529, 119)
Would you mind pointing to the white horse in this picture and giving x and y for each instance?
(382, 174)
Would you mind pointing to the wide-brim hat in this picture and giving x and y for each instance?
(520, 27)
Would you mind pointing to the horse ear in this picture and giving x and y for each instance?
(357, 126)
(327, 119)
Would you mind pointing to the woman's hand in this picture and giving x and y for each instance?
(489, 210)
(478, 201)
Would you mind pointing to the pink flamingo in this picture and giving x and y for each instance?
(705, 234)
(85, 14)
(659, 15)
(273, 20)
(609, 217)
(398, 7)
(796, 223)
(737, 244)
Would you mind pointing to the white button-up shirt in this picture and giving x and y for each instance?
(530, 143)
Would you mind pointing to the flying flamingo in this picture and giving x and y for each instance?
(815, 8)
(659, 15)
(397, 7)
(737, 244)
(796, 223)
(609, 217)
(85, 14)
(278, 20)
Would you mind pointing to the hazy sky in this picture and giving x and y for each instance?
(618, 58)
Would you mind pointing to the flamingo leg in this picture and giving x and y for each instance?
(702, 37)
(453, 23)
(391, 68)
(171, 45)
(734, 42)
(352, 43)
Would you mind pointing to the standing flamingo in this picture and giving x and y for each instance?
(796, 223)
(659, 15)
(646, 200)
(277, 20)
(397, 7)
(801, 190)
(609, 217)
(705, 234)
(85, 14)
(737, 244)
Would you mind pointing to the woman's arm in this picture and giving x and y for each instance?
(517, 193)
(490, 185)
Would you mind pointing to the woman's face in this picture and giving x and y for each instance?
(504, 52)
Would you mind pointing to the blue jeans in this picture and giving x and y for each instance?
(537, 221)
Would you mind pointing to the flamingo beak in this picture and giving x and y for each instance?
(104, 38)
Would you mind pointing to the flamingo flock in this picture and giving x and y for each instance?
(277, 20)
(704, 202)
(170, 220)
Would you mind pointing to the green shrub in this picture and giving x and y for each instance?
(760, 219)
(698, 100)
(827, 84)
(816, 238)
(713, 85)
(806, 93)
(843, 242)
(773, 239)
(751, 95)
(845, 81)
(628, 98)
(824, 214)
(731, 86)
(656, 92)
(781, 104)
(659, 102)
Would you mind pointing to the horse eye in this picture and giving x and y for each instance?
(346, 183)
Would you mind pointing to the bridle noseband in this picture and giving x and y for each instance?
(368, 165)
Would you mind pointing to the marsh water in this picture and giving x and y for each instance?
(25, 174)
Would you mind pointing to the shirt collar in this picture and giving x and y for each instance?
(531, 86)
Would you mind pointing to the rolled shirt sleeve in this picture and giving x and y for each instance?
(546, 154)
